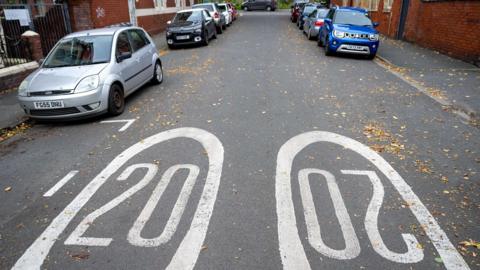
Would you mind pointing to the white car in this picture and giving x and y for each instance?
(228, 13)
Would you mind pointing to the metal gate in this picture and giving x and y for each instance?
(50, 21)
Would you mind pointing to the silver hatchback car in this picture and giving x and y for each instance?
(91, 72)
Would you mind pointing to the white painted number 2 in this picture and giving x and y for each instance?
(291, 249)
(187, 253)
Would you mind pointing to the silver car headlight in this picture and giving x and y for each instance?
(22, 89)
(88, 84)
(169, 33)
(373, 37)
(339, 34)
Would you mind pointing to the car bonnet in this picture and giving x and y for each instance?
(61, 78)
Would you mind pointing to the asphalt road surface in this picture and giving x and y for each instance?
(256, 152)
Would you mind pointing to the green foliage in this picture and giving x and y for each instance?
(284, 4)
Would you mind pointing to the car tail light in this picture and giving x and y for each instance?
(216, 15)
(319, 23)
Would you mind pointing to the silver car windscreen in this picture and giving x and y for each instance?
(78, 51)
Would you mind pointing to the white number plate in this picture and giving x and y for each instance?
(356, 48)
(48, 104)
(183, 37)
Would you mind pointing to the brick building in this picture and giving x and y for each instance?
(448, 26)
(152, 15)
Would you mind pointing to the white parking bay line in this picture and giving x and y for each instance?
(60, 184)
(124, 127)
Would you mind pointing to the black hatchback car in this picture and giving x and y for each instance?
(269, 5)
(191, 26)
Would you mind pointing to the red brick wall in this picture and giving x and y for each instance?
(451, 27)
(13, 81)
(388, 20)
(155, 24)
(105, 12)
(80, 15)
(144, 4)
(170, 3)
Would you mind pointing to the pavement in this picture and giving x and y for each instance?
(256, 152)
(454, 81)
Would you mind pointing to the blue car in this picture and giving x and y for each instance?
(349, 30)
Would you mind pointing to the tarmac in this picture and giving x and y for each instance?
(444, 78)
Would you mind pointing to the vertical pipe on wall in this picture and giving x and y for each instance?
(132, 12)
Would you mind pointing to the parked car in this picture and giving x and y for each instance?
(268, 5)
(295, 9)
(305, 12)
(234, 11)
(349, 30)
(214, 11)
(91, 72)
(191, 26)
(223, 7)
(313, 22)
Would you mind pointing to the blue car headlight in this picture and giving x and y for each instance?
(373, 37)
(338, 34)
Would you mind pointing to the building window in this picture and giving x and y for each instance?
(371, 5)
(159, 4)
(344, 3)
(387, 5)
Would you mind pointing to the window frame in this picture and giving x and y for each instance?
(387, 5)
(129, 43)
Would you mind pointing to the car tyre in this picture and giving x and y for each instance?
(319, 41)
(214, 36)
(269, 8)
(224, 26)
(205, 38)
(116, 100)
(309, 34)
(371, 56)
(246, 9)
(219, 30)
(327, 48)
(157, 74)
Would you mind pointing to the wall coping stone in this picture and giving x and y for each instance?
(4, 72)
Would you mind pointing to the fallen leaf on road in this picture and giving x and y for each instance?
(80, 256)
(7, 189)
(470, 243)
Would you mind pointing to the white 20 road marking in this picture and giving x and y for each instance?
(291, 249)
(187, 253)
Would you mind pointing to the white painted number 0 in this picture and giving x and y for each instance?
(291, 249)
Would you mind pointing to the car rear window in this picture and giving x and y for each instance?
(207, 7)
(322, 13)
(309, 9)
(222, 7)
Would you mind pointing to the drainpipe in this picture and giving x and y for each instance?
(132, 12)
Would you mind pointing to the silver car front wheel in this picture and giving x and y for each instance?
(157, 74)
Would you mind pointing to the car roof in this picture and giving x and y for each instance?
(353, 9)
(106, 31)
(190, 10)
